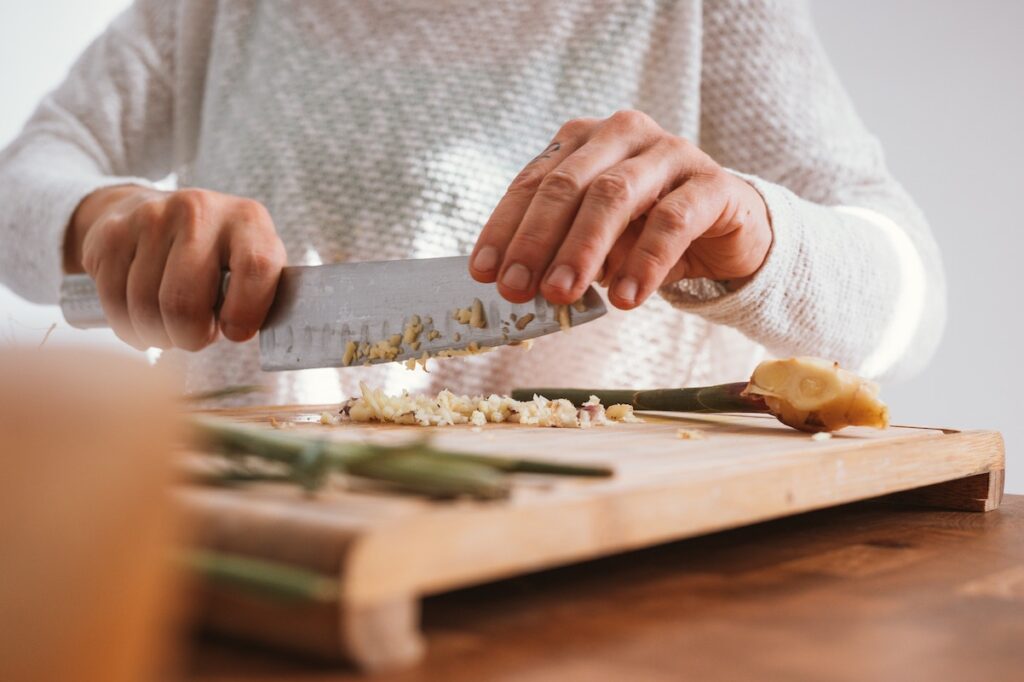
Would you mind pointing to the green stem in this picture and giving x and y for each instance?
(226, 392)
(429, 475)
(531, 466)
(719, 398)
(415, 467)
(577, 396)
(267, 578)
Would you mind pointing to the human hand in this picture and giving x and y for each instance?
(157, 257)
(620, 201)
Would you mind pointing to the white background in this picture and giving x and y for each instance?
(938, 82)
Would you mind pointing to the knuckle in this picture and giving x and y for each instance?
(251, 211)
(678, 145)
(573, 127)
(527, 246)
(584, 253)
(149, 212)
(670, 216)
(630, 119)
(94, 253)
(527, 182)
(647, 259)
(612, 189)
(257, 264)
(188, 205)
(188, 196)
(560, 185)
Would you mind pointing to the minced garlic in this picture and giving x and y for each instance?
(524, 320)
(446, 408)
(412, 330)
(622, 412)
(564, 317)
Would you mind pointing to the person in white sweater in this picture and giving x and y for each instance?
(698, 158)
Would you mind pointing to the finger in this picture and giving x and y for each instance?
(255, 256)
(615, 198)
(494, 238)
(145, 274)
(107, 253)
(111, 277)
(620, 249)
(672, 225)
(189, 290)
(558, 198)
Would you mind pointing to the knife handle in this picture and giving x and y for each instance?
(80, 302)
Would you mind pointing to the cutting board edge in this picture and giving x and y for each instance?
(372, 557)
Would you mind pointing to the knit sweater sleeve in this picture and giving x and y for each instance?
(853, 273)
(108, 123)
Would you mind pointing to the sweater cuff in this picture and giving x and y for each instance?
(50, 212)
(745, 305)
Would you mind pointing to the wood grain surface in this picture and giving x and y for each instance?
(389, 550)
(868, 591)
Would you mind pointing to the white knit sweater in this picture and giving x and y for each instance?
(379, 129)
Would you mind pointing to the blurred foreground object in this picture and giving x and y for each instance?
(86, 440)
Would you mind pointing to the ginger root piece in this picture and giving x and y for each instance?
(812, 394)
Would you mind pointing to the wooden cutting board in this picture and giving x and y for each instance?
(389, 550)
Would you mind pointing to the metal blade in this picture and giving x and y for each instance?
(318, 310)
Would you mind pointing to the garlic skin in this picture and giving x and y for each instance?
(812, 394)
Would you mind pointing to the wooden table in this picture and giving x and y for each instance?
(867, 591)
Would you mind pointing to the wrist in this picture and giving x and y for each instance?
(89, 211)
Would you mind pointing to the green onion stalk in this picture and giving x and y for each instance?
(718, 398)
(415, 467)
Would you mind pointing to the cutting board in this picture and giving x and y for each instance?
(388, 550)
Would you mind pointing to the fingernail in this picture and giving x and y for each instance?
(562, 277)
(626, 289)
(516, 277)
(486, 259)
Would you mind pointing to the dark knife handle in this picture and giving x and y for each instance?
(80, 302)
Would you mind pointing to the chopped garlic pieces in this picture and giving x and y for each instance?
(446, 408)
(524, 320)
(564, 317)
(622, 413)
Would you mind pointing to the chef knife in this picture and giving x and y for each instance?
(319, 309)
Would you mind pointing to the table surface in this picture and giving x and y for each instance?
(865, 591)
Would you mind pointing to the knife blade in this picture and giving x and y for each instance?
(319, 309)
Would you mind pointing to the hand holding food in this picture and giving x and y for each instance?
(157, 259)
(624, 202)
